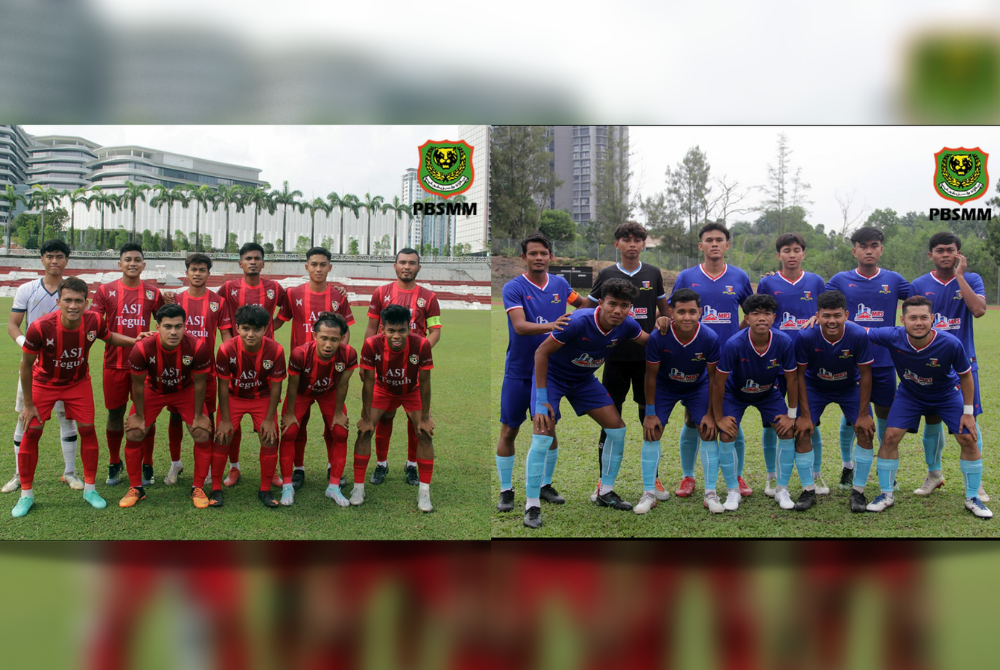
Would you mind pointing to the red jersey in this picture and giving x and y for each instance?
(268, 294)
(396, 372)
(62, 353)
(316, 376)
(425, 313)
(250, 373)
(205, 316)
(128, 311)
(170, 371)
(303, 306)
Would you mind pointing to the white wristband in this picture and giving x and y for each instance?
(793, 412)
(967, 409)
(20, 340)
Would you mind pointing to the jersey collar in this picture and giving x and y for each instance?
(626, 272)
(943, 283)
(701, 266)
(770, 339)
(861, 276)
(833, 344)
(693, 337)
(929, 342)
(540, 288)
(793, 283)
(597, 322)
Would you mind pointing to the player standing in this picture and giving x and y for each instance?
(426, 314)
(33, 300)
(796, 292)
(536, 305)
(253, 366)
(169, 370)
(957, 297)
(927, 360)
(722, 288)
(53, 369)
(396, 371)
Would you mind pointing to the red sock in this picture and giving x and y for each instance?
(27, 457)
(360, 465)
(148, 443)
(202, 459)
(88, 452)
(383, 434)
(115, 438)
(411, 441)
(220, 453)
(425, 467)
(286, 453)
(268, 461)
(175, 433)
(300, 440)
(133, 462)
(336, 453)
(234, 452)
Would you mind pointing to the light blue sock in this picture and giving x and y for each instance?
(614, 449)
(550, 466)
(534, 465)
(727, 462)
(862, 465)
(887, 473)
(979, 437)
(689, 450)
(710, 464)
(846, 440)
(769, 440)
(972, 473)
(505, 470)
(933, 435)
(804, 463)
(880, 426)
(786, 461)
(817, 445)
(650, 461)
(740, 451)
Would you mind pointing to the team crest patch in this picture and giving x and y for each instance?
(773, 363)
(414, 359)
(807, 296)
(960, 174)
(336, 306)
(421, 302)
(729, 291)
(270, 294)
(555, 299)
(885, 289)
(186, 360)
(267, 364)
(214, 306)
(445, 167)
(339, 367)
(934, 363)
(845, 353)
(699, 356)
(646, 286)
(958, 295)
(150, 294)
(91, 335)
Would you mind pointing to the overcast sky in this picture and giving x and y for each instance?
(314, 159)
(884, 166)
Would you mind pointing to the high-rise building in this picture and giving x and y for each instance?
(436, 230)
(576, 151)
(14, 147)
(60, 162)
(473, 230)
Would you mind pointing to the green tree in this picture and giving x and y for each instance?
(688, 192)
(303, 244)
(202, 196)
(352, 247)
(167, 197)
(611, 189)
(233, 246)
(347, 201)
(104, 201)
(180, 241)
(327, 243)
(398, 209)
(784, 187)
(227, 196)
(268, 248)
(259, 199)
(41, 198)
(522, 181)
(78, 196)
(12, 198)
(317, 204)
(371, 205)
(885, 220)
(557, 224)
(132, 194)
(285, 198)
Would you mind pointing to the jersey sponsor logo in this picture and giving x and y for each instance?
(828, 376)
(885, 289)
(807, 296)
(866, 313)
(267, 364)
(933, 363)
(679, 376)
(645, 286)
(339, 367)
(789, 322)
(149, 294)
(414, 359)
(638, 313)
(712, 315)
(917, 379)
(186, 360)
(729, 291)
(941, 322)
(421, 302)
(214, 306)
(541, 319)
(753, 387)
(555, 299)
(270, 294)
(587, 361)
(91, 335)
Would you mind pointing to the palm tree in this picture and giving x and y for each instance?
(42, 197)
(319, 204)
(132, 193)
(371, 205)
(105, 200)
(348, 201)
(259, 199)
(285, 198)
(202, 196)
(168, 197)
(226, 196)
(11, 197)
(398, 209)
(79, 196)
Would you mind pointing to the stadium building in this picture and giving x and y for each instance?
(60, 162)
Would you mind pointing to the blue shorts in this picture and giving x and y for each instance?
(849, 401)
(695, 400)
(515, 394)
(906, 411)
(772, 404)
(883, 386)
(976, 402)
(583, 396)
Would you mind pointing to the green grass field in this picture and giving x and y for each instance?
(940, 515)
(459, 406)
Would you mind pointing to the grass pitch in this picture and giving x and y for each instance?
(459, 406)
(942, 514)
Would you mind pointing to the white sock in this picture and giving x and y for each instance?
(69, 455)
(287, 487)
(359, 487)
(848, 466)
(772, 475)
(300, 467)
(411, 464)
(708, 492)
(605, 489)
(384, 464)
(424, 487)
(531, 502)
(235, 465)
(176, 463)
(27, 493)
(89, 487)
(18, 436)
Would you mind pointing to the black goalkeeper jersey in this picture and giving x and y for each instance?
(649, 281)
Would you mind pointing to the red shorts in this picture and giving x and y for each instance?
(388, 401)
(117, 387)
(78, 399)
(327, 406)
(255, 407)
(179, 402)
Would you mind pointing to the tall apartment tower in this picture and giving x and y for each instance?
(425, 229)
(472, 230)
(576, 151)
(14, 152)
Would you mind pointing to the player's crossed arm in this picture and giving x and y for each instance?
(544, 419)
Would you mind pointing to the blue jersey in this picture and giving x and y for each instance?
(721, 297)
(950, 311)
(541, 304)
(753, 374)
(833, 366)
(585, 345)
(682, 366)
(872, 301)
(928, 373)
(796, 300)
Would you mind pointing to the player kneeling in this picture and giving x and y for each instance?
(169, 370)
(396, 371)
(54, 368)
(323, 367)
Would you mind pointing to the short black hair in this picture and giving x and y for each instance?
(395, 315)
(867, 234)
(130, 246)
(252, 315)
(536, 237)
(684, 295)
(760, 301)
(321, 251)
(831, 300)
(630, 229)
(74, 284)
(787, 240)
(917, 301)
(407, 250)
(251, 246)
(944, 238)
(197, 259)
(53, 246)
(714, 225)
(330, 320)
(619, 288)
(170, 312)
